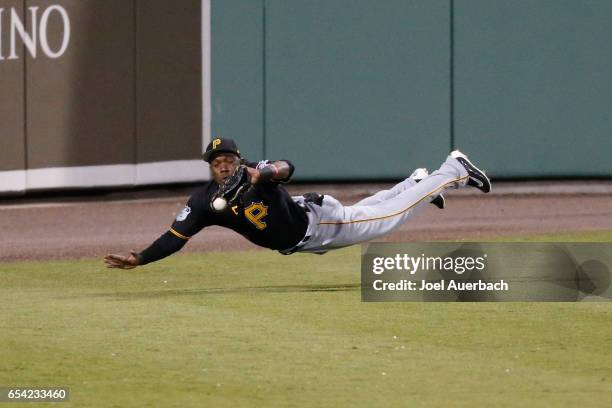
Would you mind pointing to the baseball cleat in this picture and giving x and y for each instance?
(439, 201)
(477, 178)
(418, 175)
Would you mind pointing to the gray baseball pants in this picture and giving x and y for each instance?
(333, 225)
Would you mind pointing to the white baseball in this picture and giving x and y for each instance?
(219, 204)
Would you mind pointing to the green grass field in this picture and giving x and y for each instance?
(258, 329)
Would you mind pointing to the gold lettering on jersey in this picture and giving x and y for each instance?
(255, 212)
(235, 209)
(216, 143)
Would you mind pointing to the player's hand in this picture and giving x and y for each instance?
(120, 261)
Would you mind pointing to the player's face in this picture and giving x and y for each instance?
(223, 166)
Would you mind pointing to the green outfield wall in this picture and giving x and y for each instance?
(129, 92)
(364, 90)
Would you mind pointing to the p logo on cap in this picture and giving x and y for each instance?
(220, 145)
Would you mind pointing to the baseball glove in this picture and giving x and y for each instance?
(234, 187)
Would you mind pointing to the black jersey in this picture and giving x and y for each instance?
(269, 217)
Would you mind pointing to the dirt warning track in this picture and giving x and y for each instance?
(92, 226)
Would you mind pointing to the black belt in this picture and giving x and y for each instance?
(315, 198)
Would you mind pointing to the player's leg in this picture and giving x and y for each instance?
(384, 195)
(364, 223)
(339, 226)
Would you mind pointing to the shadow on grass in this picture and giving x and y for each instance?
(245, 289)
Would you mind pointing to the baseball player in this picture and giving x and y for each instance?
(249, 198)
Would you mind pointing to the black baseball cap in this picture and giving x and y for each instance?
(220, 145)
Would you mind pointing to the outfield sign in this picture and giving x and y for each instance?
(37, 37)
(490, 272)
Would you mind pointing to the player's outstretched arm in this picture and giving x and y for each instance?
(277, 171)
(122, 262)
(165, 245)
